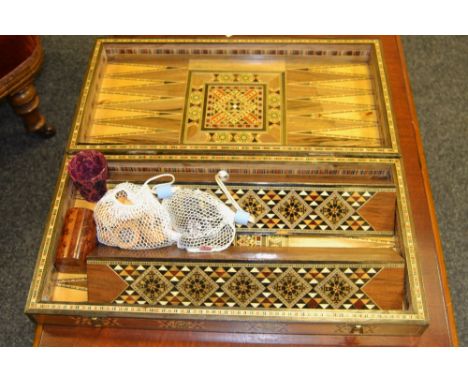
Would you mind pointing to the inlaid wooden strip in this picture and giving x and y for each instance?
(297, 76)
(247, 285)
(122, 68)
(109, 98)
(353, 53)
(68, 287)
(122, 134)
(115, 114)
(309, 241)
(76, 283)
(350, 69)
(324, 90)
(299, 209)
(172, 104)
(169, 74)
(301, 255)
(309, 107)
(170, 89)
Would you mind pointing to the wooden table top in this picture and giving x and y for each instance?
(441, 330)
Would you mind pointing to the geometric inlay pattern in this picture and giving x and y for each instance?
(243, 287)
(290, 287)
(336, 288)
(197, 286)
(151, 285)
(311, 103)
(246, 285)
(255, 206)
(292, 209)
(334, 210)
(298, 208)
(234, 108)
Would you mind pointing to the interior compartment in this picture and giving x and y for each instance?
(355, 185)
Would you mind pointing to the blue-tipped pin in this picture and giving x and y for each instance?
(164, 191)
(242, 217)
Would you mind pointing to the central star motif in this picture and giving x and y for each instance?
(243, 287)
(336, 288)
(289, 287)
(152, 285)
(292, 209)
(255, 206)
(234, 107)
(197, 286)
(334, 210)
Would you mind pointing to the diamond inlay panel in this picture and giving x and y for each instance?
(292, 209)
(151, 285)
(254, 205)
(334, 210)
(290, 287)
(336, 288)
(249, 286)
(197, 286)
(299, 208)
(243, 287)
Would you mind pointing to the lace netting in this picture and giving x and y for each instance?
(204, 223)
(130, 217)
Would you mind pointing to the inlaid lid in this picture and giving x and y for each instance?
(289, 96)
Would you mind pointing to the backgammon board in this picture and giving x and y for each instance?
(257, 95)
(318, 136)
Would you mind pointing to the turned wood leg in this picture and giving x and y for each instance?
(25, 103)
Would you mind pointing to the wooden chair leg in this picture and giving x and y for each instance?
(25, 103)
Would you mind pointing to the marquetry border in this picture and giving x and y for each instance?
(417, 313)
(98, 51)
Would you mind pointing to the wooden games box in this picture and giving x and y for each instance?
(308, 130)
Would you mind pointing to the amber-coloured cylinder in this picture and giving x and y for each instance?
(77, 241)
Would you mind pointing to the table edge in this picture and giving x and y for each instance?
(429, 197)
